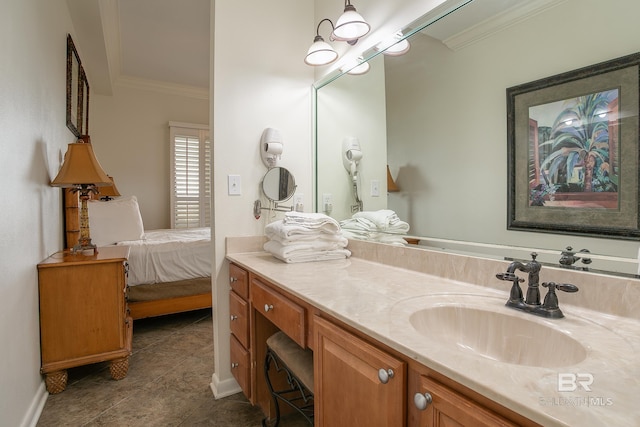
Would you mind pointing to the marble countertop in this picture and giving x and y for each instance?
(378, 300)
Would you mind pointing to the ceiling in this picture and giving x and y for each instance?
(159, 44)
(164, 44)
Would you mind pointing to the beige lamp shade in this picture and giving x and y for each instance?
(81, 167)
(391, 185)
(109, 190)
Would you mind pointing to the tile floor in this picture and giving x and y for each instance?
(167, 384)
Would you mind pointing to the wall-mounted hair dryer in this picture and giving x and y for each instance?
(351, 156)
(271, 147)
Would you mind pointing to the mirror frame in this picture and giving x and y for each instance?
(77, 92)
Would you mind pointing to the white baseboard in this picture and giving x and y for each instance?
(35, 409)
(224, 388)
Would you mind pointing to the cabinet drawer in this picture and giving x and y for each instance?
(280, 310)
(239, 322)
(240, 366)
(239, 281)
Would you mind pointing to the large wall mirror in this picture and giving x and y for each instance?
(437, 117)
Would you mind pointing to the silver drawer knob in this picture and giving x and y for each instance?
(234, 317)
(385, 375)
(268, 307)
(233, 279)
(234, 365)
(422, 401)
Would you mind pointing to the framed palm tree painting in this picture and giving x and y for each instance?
(573, 152)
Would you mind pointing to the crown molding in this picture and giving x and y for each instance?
(499, 22)
(109, 14)
(162, 87)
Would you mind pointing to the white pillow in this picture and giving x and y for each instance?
(114, 221)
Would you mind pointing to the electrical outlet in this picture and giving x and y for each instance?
(298, 205)
(375, 188)
(327, 203)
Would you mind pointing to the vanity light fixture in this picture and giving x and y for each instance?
(356, 67)
(350, 26)
(320, 52)
(396, 45)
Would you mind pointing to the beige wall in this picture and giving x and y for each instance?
(34, 139)
(352, 106)
(260, 80)
(130, 134)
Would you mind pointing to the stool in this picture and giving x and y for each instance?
(297, 363)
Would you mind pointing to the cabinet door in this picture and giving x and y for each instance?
(240, 366)
(239, 281)
(450, 409)
(348, 388)
(239, 321)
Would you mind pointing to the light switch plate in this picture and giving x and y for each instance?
(375, 188)
(235, 185)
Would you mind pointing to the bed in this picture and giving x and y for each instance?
(169, 270)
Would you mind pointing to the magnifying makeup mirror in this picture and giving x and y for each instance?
(278, 185)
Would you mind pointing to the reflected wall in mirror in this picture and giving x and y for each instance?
(77, 92)
(445, 117)
(278, 184)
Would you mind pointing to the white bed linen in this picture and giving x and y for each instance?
(169, 255)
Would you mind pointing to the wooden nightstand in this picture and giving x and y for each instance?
(84, 317)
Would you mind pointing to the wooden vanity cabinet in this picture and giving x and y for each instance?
(239, 324)
(452, 404)
(356, 383)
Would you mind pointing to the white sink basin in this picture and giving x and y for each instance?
(498, 336)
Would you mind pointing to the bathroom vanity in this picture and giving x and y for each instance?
(380, 351)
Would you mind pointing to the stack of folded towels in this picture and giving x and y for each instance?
(304, 237)
(382, 226)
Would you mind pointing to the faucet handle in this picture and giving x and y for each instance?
(510, 277)
(550, 305)
(566, 287)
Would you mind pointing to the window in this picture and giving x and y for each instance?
(190, 175)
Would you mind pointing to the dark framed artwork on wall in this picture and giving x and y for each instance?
(573, 152)
(77, 92)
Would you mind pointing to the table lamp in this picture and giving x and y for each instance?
(82, 173)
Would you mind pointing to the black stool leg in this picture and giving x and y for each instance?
(306, 411)
(267, 363)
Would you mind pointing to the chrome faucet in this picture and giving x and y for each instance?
(531, 304)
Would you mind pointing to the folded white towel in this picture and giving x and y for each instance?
(311, 219)
(382, 218)
(373, 236)
(368, 223)
(288, 231)
(286, 250)
(302, 254)
(336, 238)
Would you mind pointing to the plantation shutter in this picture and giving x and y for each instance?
(190, 176)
